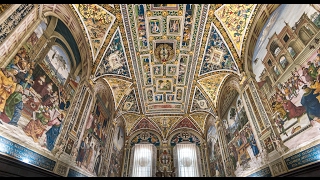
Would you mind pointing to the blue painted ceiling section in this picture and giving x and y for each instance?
(62, 29)
(66, 49)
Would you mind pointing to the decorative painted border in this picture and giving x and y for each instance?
(194, 61)
(260, 105)
(245, 97)
(23, 10)
(153, 8)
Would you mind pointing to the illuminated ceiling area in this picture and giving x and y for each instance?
(165, 60)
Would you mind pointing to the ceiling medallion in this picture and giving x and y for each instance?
(164, 51)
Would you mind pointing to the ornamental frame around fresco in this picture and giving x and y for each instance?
(154, 26)
(73, 115)
(188, 32)
(17, 16)
(139, 17)
(174, 25)
(157, 7)
(164, 84)
(183, 66)
(146, 69)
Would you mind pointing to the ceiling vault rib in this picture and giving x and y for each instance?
(197, 51)
(132, 52)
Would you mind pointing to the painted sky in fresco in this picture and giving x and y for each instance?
(41, 27)
(289, 13)
(54, 61)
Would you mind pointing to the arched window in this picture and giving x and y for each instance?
(276, 70)
(144, 161)
(291, 51)
(276, 52)
(283, 61)
(274, 48)
(310, 32)
(187, 160)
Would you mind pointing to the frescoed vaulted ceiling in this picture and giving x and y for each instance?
(165, 63)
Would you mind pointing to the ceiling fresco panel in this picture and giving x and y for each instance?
(217, 54)
(130, 104)
(114, 61)
(144, 123)
(130, 119)
(119, 88)
(235, 19)
(97, 22)
(157, 7)
(199, 102)
(165, 123)
(211, 85)
(200, 119)
(185, 123)
(162, 65)
(189, 11)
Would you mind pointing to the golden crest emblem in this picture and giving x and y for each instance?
(164, 52)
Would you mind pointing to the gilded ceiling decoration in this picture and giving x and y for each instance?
(119, 88)
(97, 23)
(217, 55)
(161, 65)
(199, 118)
(130, 104)
(199, 102)
(211, 85)
(235, 19)
(150, 56)
(185, 123)
(165, 123)
(144, 123)
(130, 119)
(114, 61)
